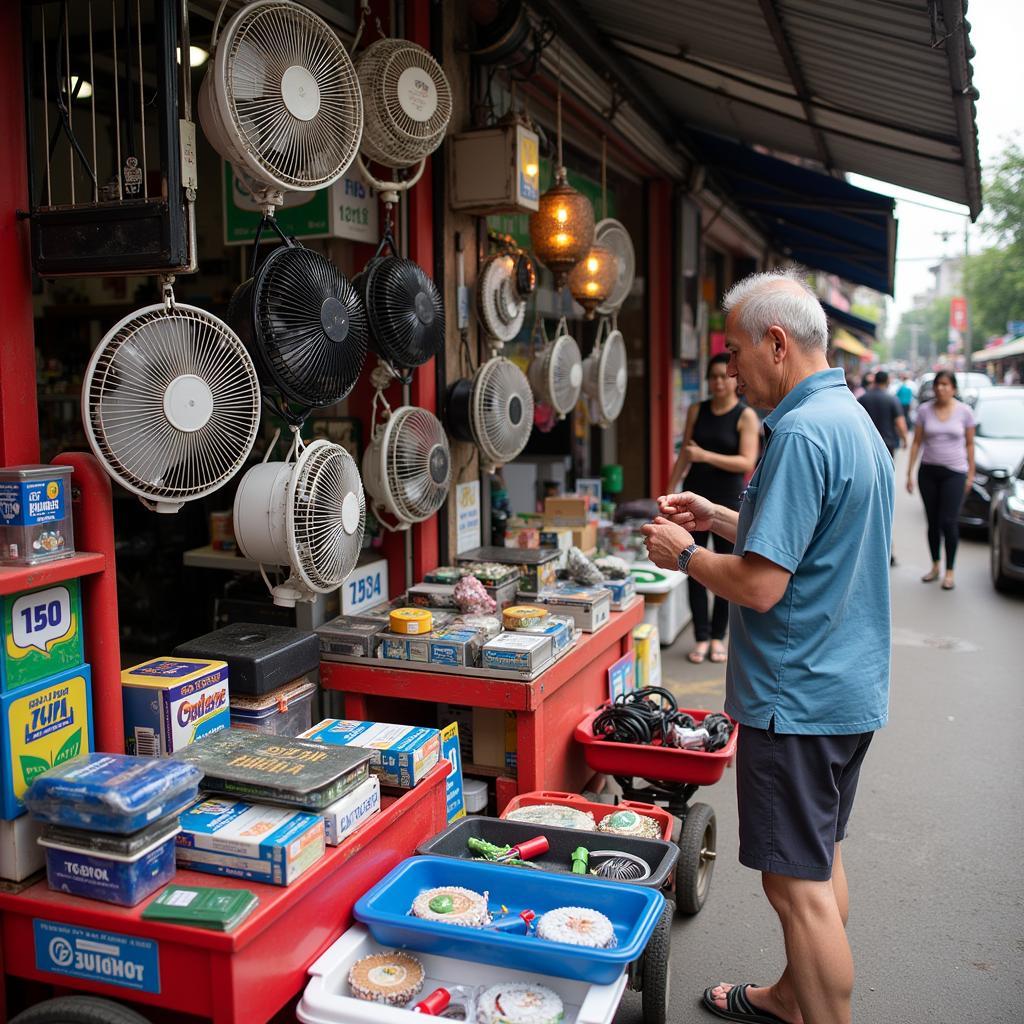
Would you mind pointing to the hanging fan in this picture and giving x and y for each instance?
(605, 378)
(612, 235)
(280, 99)
(407, 466)
(171, 404)
(556, 372)
(494, 411)
(307, 513)
(500, 306)
(305, 325)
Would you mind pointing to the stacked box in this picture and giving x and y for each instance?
(590, 607)
(455, 646)
(41, 633)
(622, 591)
(351, 636)
(518, 652)
(537, 566)
(647, 645)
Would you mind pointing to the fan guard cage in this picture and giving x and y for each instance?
(501, 410)
(501, 309)
(405, 311)
(408, 102)
(556, 374)
(407, 468)
(605, 377)
(171, 404)
(281, 99)
(613, 236)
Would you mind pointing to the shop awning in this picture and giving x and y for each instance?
(879, 87)
(857, 324)
(848, 343)
(989, 355)
(811, 217)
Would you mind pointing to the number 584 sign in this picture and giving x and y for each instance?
(42, 634)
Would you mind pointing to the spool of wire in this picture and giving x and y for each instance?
(618, 865)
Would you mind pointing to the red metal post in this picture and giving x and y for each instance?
(659, 332)
(19, 421)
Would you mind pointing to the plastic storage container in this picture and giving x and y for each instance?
(632, 909)
(35, 514)
(124, 879)
(542, 797)
(113, 792)
(286, 711)
(666, 601)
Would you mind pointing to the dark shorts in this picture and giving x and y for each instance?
(795, 794)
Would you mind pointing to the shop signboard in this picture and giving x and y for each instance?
(454, 797)
(366, 587)
(467, 504)
(346, 209)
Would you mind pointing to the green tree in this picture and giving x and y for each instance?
(932, 323)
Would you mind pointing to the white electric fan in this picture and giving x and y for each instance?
(307, 513)
(611, 234)
(171, 404)
(556, 372)
(500, 306)
(280, 99)
(407, 103)
(605, 376)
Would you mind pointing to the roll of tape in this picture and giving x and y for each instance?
(411, 620)
(521, 615)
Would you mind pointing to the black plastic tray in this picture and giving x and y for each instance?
(660, 856)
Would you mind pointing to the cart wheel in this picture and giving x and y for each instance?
(655, 969)
(78, 1010)
(697, 842)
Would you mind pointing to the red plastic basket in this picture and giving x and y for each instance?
(667, 764)
(599, 811)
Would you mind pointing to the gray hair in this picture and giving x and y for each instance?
(760, 303)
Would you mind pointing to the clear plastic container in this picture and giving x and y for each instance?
(35, 514)
(286, 711)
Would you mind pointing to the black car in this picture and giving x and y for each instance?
(1006, 533)
(998, 448)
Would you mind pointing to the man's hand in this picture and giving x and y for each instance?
(665, 541)
(688, 510)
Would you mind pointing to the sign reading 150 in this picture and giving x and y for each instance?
(41, 617)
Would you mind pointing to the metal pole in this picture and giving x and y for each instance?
(963, 288)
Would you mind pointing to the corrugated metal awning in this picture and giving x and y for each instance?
(879, 87)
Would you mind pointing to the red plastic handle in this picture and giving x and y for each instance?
(530, 848)
(435, 1003)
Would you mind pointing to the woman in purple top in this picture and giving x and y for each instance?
(944, 435)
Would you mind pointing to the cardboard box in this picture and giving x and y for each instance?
(354, 809)
(396, 647)
(40, 633)
(622, 591)
(519, 652)
(257, 842)
(523, 537)
(42, 725)
(570, 510)
(558, 537)
(561, 629)
(172, 702)
(647, 646)
(494, 733)
(590, 607)
(20, 854)
(455, 646)
(400, 755)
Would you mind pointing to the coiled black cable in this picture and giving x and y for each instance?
(646, 715)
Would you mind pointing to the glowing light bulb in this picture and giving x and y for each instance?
(561, 215)
(592, 264)
(592, 288)
(561, 239)
(531, 170)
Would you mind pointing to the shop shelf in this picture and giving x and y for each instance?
(15, 578)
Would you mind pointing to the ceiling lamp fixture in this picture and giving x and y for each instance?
(592, 279)
(562, 229)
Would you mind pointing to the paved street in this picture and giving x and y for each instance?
(935, 846)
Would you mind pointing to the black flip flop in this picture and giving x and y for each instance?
(738, 1007)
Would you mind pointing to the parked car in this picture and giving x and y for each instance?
(1006, 533)
(998, 449)
(968, 386)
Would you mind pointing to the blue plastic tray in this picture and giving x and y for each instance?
(633, 910)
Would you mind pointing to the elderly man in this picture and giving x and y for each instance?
(808, 674)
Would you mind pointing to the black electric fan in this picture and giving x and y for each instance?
(304, 324)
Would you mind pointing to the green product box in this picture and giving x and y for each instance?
(42, 634)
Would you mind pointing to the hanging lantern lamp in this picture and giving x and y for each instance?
(592, 279)
(562, 229)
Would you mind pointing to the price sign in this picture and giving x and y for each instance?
(40, 618)
(366, 587)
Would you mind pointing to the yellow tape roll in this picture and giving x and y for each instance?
(411, 620)
(521, 615)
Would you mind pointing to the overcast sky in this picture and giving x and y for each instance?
(997, 32)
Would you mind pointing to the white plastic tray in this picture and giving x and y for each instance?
(326, 999)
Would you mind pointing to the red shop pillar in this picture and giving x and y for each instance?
(659, 333)
(19, 420)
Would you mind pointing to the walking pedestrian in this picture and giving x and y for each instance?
(719, 449)
(944, 436)
(905, 396)
(807, 679)
(886, 413)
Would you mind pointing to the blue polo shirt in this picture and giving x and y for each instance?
(819, 504)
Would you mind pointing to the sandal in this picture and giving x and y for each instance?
(930, 577)
(718, 654)
(696, 657)
(738, 1006)
(946, 585)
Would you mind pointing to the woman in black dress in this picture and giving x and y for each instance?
(720, 446)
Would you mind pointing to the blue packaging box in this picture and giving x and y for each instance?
(623, 591)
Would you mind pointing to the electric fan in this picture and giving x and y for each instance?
(604, 377)
(494, 411)
(613, 236)
(171, 404)
(305, 325)
(280, 99)
(307, 513)
(556, 372)
(407, 466)
(500, 306)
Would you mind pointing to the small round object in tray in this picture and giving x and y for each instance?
(516, 1003)
(577, 926)
(554, 814)
(629, 823)
(453, 905)
(391, 978)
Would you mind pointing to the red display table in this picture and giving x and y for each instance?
(548, 708)
(249, 974)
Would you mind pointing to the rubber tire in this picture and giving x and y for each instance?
(656, 969)
(79, 1010)
(1000, 580)
(693, 871)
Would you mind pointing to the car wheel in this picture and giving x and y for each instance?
(1000, 580)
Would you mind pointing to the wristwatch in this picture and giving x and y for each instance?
(685, 555)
